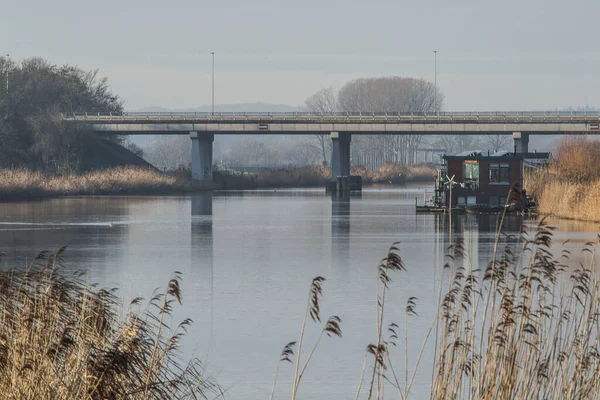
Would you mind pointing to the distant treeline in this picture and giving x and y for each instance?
(33, 95)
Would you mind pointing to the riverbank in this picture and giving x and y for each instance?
(570, 200)
(569, 187)
(23, 184)
(318, 176)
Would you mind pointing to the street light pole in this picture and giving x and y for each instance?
(435, 81)
(213, 82)
(7, 62)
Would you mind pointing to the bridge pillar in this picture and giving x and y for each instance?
(521, 142)
(202, 156)
(340, 154)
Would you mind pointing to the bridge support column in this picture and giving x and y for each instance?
(202, 156)
(340, 154)
(521, 142)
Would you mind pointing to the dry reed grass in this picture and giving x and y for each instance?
(570, 186)
(571, 200)
(524, 326)
(61, 338)
(317, 175)
(395, 173)
(19, 184)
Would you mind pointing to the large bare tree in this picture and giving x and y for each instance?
(322, 101)
(392, 95)
(496, 142)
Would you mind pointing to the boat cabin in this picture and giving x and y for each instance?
(481, 179)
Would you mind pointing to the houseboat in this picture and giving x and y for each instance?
(474, 181)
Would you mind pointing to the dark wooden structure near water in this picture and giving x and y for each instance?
(483, 179)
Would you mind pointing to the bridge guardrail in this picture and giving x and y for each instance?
(345, 114)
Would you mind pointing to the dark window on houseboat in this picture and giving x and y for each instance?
(502, 200)
(499, 173)
(493, 201)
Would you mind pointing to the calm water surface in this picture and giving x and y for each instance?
(247, 259)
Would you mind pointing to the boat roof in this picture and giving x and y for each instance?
(502, 154)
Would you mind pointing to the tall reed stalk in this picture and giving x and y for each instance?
(537, 339)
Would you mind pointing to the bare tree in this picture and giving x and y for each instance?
(170, 152)
(322, 101)
(392, 95)
(302, 155)
(496, 142)
(457, 143)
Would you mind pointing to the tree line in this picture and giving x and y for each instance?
(33, 94)
(391, 94)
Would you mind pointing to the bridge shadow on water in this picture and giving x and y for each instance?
(202, 250)
(340, 233)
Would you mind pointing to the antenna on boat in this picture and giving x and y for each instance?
(450, 183)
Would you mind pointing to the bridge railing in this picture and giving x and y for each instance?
(431, 115)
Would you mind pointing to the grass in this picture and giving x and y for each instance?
(23, 184)
(317, 176)
(522, 326)
(61, 338)
(570, 186)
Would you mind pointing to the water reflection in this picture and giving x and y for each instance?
(340, 234)
(478, 234)
(201, 252)
(86, 225)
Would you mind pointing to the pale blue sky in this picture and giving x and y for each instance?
(527, 54)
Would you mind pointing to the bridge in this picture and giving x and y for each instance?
(201, 127)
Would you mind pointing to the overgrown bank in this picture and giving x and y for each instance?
(318, 176)
(24, 184)
(569, 187)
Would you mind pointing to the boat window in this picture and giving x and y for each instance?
(499, 173)
(493, 201)
(471, 200)
(461, 200)
(502, 200)
(471, 174)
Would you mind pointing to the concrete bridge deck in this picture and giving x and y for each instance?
(473, 123)
(201, 127)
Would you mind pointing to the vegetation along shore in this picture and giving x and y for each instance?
(22, 184)
(569, 186)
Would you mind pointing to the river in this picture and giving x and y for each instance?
(247, 260)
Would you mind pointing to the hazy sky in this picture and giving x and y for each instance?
(492, 55)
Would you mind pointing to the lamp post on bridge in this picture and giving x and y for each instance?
(435, 81)
(7, 62)
(213, 83)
